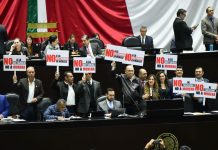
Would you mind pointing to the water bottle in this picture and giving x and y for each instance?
(211, 47)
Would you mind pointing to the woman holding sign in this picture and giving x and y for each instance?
(151, 89)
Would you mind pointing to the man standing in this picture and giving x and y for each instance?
(182, 32)
(89, 91)
(110, 103)
(31, 93)
(3, 39)
(199, 102)
(66, 90)
(130, 88)
(209, 28)
(142, 80)
(145, 40)
(89, 49)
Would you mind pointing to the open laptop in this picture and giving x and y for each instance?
(165, 108)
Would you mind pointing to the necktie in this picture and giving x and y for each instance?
(211, 19)
(88, 51)
(143, 83)
(143, 40)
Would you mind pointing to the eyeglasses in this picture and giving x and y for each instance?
(211, 10)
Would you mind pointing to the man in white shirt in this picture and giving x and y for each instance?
(31, 93)
(66, 90)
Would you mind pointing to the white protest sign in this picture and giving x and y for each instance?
(166, 62)
(14, 62)
(115, 53)
(57, 58)
(134, 57)
(84, 65)
(199, 89)
(210, 90)
(183, 85)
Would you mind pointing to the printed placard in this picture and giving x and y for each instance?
(199, 89)
(57, 58)
(84, 65)
(134, 57)
(115, 53)
(210, 90)
(14, 62)
(166, 62)
(183, 85)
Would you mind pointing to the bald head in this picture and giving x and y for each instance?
(129, 71)
(142, 74)
(30, 71)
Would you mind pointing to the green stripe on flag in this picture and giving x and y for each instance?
(32, 14)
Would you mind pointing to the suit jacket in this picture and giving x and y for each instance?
(4, 106)
(182, 32)
(23, 85)
(148, 41)
(62, 89)
(95, 49)
(3, 38)
(102, 106)
(85, 95)
(208, 31)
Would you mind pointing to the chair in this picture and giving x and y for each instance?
(42, 106)
(101, 98)
(31, 29)
(13, 100)
(131, 41)
(99, 42)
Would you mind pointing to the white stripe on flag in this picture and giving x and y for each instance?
(42, 14)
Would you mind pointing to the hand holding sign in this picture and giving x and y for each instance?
(14, 78)
(57, 75)
(113, 65)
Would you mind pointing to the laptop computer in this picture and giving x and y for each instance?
(97, 114)
(165, 108)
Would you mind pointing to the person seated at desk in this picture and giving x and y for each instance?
(72, 45)
(31, 47)
(53, 44)
(145, 40)
(110, 103)
(151, 89)
(89, 49)
(17, 48)
(4, 107)
(57, 111)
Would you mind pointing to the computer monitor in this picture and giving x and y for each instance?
(165, 108)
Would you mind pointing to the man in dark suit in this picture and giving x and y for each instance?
(31, 94)
(142, 80)
(182, 32)
(3, 39)
(110, 104)
(209, 28)
(89, 91)
(89, 49)
(66, 90)
(145, 40)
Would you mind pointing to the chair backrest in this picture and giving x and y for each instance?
(99, 42)
(42, 106)
(131, 41)
(101, 98)
(32, 29)
(13, 100)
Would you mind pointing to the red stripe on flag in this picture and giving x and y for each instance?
(108, 18)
